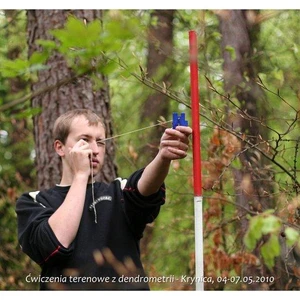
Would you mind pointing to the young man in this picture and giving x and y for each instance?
(85, 234)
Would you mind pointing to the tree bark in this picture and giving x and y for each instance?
(252, 182)
(159, 68)
(76, 94)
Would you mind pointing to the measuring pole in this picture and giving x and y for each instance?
(196, 162)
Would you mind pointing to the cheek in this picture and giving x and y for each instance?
(102, 154)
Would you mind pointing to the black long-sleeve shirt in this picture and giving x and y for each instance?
(122, 214)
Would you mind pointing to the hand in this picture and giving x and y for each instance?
(80, 155)
(174, 143)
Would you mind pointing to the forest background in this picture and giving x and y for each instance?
(132, 67)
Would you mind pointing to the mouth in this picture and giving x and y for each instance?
(95, 162)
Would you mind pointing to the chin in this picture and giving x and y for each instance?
(96, 171)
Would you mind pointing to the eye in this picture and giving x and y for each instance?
(101, 143)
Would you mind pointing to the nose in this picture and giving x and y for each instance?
(94, 147)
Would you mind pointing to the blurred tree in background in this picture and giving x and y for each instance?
(133, 65)
(70, 87)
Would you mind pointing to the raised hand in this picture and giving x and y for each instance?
(80, 158)
(174, 143)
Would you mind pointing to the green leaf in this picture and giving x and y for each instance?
(279, 75)
(47, 45)
(270, 250)
(231, 52)
(254, 232)
(108, 67)
(292, 235)
(13, 68)
(30, 112)
(260, 225)
(38, 58)
(77, 34)
(271, 224)
(37, 67)
(237, 164)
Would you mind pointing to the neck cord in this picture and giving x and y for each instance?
(93, 193)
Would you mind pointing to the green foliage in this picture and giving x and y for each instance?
(270, 250)
(231, 52)
(292, 236)
(266, 228)
(86, 47)
(13, 68)
(14, 264)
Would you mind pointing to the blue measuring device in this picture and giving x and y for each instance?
(179, 120)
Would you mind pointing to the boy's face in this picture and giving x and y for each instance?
(93, 135)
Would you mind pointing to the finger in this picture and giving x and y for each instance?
(88, 153)
(173, 134)
(177, 152)
(184, 129)
(177, 136)
(176, 145)
(81, 145)
(81, 152)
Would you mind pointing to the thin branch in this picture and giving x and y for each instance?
(42, 91)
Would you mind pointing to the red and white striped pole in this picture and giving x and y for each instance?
(198, 221)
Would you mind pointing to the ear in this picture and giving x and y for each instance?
(59, 148)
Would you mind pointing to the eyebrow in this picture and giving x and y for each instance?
(89, 136)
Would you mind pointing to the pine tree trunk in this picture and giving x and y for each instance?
(76, 94)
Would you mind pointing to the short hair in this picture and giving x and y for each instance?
(62, 124)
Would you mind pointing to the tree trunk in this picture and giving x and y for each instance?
(252, 182)
(76, 94)
(159, 68)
